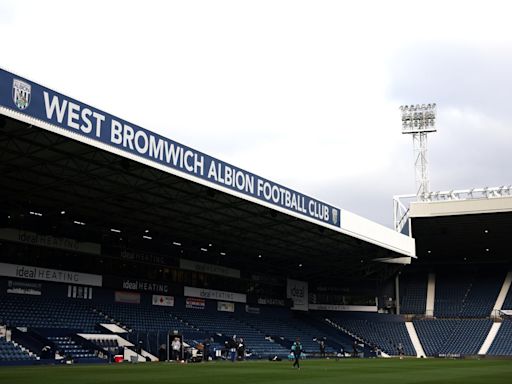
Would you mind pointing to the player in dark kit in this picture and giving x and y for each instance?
(296, 351)
(322, 348)
(401, 352)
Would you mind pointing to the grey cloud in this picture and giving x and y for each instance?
(372, 197)
(470, 149)
(470, 160)
(454, 75)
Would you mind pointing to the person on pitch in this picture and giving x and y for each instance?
(322, 348)
(401, 352)
(176, 348)
(296, 351)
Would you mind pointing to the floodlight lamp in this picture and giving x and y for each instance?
(419, 120)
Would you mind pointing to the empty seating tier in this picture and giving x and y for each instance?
(385, 331)
(413, 293)
(467, 295)
(502, 344)
(37, 312)
(452, 336)
(11, 352)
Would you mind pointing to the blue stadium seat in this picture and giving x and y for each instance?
(452, 336)
(11, 352)
(413, 293)
(502, 344)
(466, 295)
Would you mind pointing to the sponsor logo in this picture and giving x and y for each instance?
(253, 310)
(269, 301)
(194, 303)
(137, 285)
(127, 297)
(166, 301)
(21, 92)
(46, 274)
(297, 292)
(24, 288)
(223, 306)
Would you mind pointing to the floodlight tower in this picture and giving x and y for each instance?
(419, 120)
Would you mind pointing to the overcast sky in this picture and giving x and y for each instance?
(305, 93)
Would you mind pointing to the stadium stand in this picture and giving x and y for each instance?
(465, 303)
(143, 317)
(468, 295)
(451, 290)
(507, 304)
(452, 336)
(12, 352)
(150, 324)
(68, 347)
(225, 324)
(283, 326)
(270, 332)
(384, 331)
(482, 295)
(38, 312)
(413, 293)
(145, 321)
(335, 339)
(502, 344)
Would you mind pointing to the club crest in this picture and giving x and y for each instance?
(334, 216)
(21, 94)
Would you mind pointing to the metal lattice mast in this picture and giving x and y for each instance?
(419, 120)
(421, 163)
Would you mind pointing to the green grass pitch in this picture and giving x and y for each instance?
(348, 371)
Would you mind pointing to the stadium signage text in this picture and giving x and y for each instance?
(343, 308)
(37, 273)
(215, 295)
(138, 285)
(298, 292)
(145, 257)
(51, 107)
(209, 268)
(270, 301)
(33, 238)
